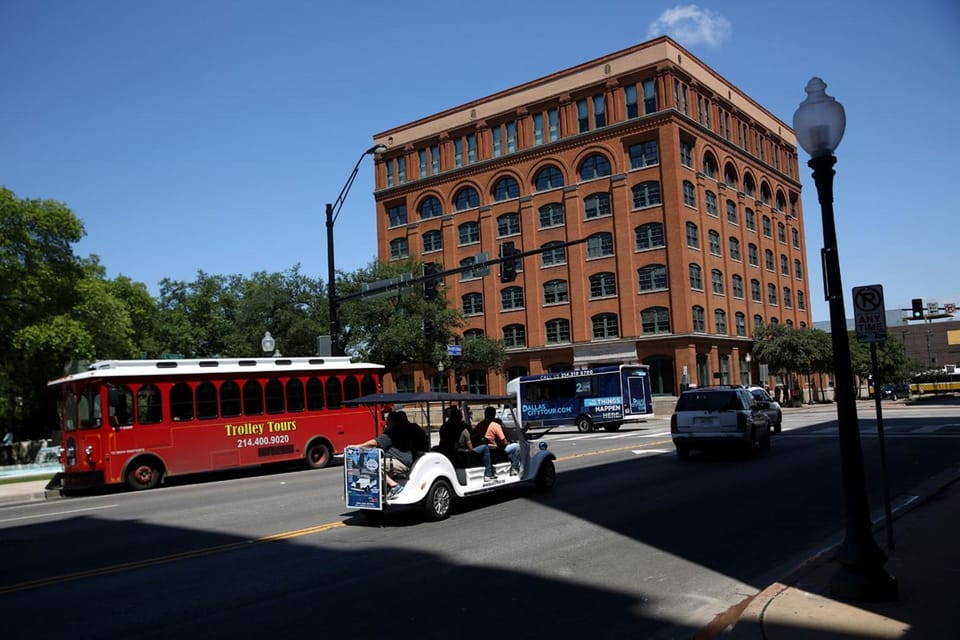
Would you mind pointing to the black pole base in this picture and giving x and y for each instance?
(864, 584)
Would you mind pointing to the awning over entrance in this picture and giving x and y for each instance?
(605, 352)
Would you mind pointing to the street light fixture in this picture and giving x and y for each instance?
(819, 123)
(747, 358)
(333, 210)
(267, 343)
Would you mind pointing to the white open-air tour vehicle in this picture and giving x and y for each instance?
(435, 480)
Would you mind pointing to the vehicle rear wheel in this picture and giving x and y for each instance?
(584, 424)
(546, 476)
(318, 455)
(144, 475)
(613, 426)
(765, 441)
(778, 425)
(439, 500)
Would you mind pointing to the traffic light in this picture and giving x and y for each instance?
(918, 308)
(431, 281)
(508, 268)
(428, 328)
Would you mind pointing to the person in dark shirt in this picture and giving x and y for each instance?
(400, 442)
(455, 437)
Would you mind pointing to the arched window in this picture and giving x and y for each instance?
(351, 388)
(514, 335)
(603, 285)
(600, 245)
(709, 166)
(699, 319)
(334, 392)
(596, 205)
(649, 236)
(315, 395)
(511, 298)
(430, 208)
(508, 225)
(230, 406)
(506, 188)
(551, 215)
(432, 241)
(696, 277)
(720, 321)
(555, 292)
(252, 398)
(295, 396)
(595, 166)
(206, 401)
(553, 253)
(730, 176)
(655, 320)
(472, 304)
(689, 194)
(548, 178)
(468, 233)
(181, 401)
(557, 331)
(467, 198)
(605, 325)
(399, 248)
(693, 236)
(652, 277)
(646, 194)
(274, 394)
(472, 334)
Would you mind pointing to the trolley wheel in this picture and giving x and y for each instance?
(546, 476)
(144, 475)
(318, 455)
(584, 424)
(439, 500)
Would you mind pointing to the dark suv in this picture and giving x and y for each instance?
(709, 417)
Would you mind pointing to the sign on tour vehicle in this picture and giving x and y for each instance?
(869, 316)
(362, 477)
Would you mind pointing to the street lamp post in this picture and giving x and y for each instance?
(748, 358)
(267, 343)
(333, 210)
(819, 123)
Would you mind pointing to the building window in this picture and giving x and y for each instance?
(505, 189)
(467, 198)
(686, 154)
(472, 334)
(782, 232)
(652, 277)
(649, 97)
(755, 290)
(553, 119)
(538, 128)
(422, 159)
(514, 335)
(603, 285)
(737, 286)
(511, 298)
(749, 188)
(472, 304)
(435, 159)
(599, 111)
(397, 215)
(757, 323)
(548, 178)
(772, 294)
(693, 236)
(768, 259)
(689, 194)
(696, 277)
(751, 219)
(399, 248)
(432, 241)
(511, 136)
(557, 330)
(457, 152)
(731, 212)
(709, 166)
(644, 154)
(508, 225)
(646, 194)
(797, 270)
(468, 274)
(716, 278)
(551, 215)
(630, 98)
(476, 381)
(649, 236)
(766, 227)
(735, 249)
(583, 119)
(720, 321)
(388, 167)
(712, 204)
(699, 319)
(655, 320)
(787, 298)
(596, 205)
(714, 239)
(741, 321)
(468, 233)
(600, 245)
(497, 141)
(595, 166)
(553, 253)
(730, 177)
(430, 208)
(753, 256)
(605, 325)
(784, 265)
(801, 301)
(555, 292)
(795, 236)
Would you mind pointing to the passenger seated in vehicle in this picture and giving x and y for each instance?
(399, 442)
(456, 442)
(491, 432)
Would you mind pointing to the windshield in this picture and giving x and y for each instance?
(707, 401)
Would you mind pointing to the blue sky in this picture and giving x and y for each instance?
(209, 135)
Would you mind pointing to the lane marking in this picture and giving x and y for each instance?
(642, 452)
(58, 513)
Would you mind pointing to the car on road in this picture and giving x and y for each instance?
(895, 391)
(773, 410)
(712, 417)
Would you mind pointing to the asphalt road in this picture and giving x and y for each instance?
(631, 541)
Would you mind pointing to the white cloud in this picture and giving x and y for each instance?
(692, 25)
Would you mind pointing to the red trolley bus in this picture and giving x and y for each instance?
(137, 421)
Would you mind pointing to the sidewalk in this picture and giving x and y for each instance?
(925, 563)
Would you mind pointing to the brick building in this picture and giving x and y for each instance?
(685, 190)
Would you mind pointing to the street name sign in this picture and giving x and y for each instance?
(869, 316)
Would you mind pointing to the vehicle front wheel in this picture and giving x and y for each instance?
(584, 425)
(546, 476)
(778, 425)
(439, 500)
(318, 455)
(144, 475)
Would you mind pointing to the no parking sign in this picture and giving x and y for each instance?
(869, 315)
